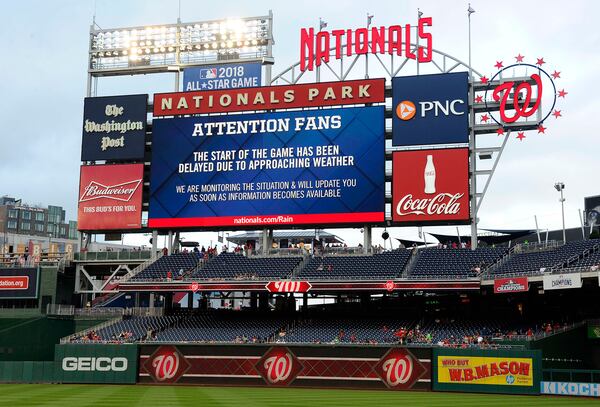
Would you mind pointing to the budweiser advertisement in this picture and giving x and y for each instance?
(110, 197)
(270, 97)
(431, 186)
(511, 285)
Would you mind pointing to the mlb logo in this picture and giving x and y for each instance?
(210, 73)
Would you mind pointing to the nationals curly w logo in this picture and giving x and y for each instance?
(398, 370)
(520, 106)
(279, 366)
(166, 365)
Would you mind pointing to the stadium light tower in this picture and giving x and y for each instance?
(172, 47)
(560, 186)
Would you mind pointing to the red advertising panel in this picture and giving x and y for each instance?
(110, 197)
(288, 286)
(511, 285)
(431, 186)
(270, 97)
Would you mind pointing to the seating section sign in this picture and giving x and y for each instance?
(282, 168)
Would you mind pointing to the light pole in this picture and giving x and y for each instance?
(560, 186)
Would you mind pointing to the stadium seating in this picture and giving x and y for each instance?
(453, 263)
(173, 263)
(386, 265)
(244, 327)
(234, 266)
(375, 330)
(536, 261)
(130, 329)
(223, 327)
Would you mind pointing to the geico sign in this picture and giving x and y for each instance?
(89, 364)
(406, 109)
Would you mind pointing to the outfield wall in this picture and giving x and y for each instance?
(323, 366)
(288, 365)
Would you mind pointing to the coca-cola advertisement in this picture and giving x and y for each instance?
(431, 186)
(110, 197)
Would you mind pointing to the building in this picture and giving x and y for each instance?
(22, 225)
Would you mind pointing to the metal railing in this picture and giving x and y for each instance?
(141, 267)
(113, 255)
(111, 312)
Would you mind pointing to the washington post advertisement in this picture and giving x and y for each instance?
(285, 168)
(114, 128)
(430, 109)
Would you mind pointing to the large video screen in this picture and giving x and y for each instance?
(285, 168)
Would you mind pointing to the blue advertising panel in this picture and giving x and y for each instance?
(225, 76)
(114, 128)
(283, 168)
(430, 109)
(18, 282)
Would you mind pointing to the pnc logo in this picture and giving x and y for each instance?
(279, 366)
(166, 365)
(406, 110)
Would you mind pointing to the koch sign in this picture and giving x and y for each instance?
(114, 128)
(570, 389)
(283, 168)
(217, 77)
(430, 109)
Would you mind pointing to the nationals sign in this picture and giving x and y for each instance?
(110, 197)
(431, 186)
(270, 97)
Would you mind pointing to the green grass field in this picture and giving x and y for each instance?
(138, 395)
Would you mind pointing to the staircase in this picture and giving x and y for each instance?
(299, 267)
(410, 264)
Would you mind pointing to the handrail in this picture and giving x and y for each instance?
(141, 267)
(113, 255)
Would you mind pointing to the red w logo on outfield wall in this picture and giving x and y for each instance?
(166, 365)
(399, 369)
(279, 366)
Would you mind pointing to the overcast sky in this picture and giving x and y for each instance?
(43, 69)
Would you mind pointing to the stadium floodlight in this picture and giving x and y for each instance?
(560, 186)
(160, 48)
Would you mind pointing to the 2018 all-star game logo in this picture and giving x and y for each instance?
(399, 369)
(520, 97)
(279, 366)
(166, 365)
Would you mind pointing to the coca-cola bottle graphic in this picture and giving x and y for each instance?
(429, 176)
